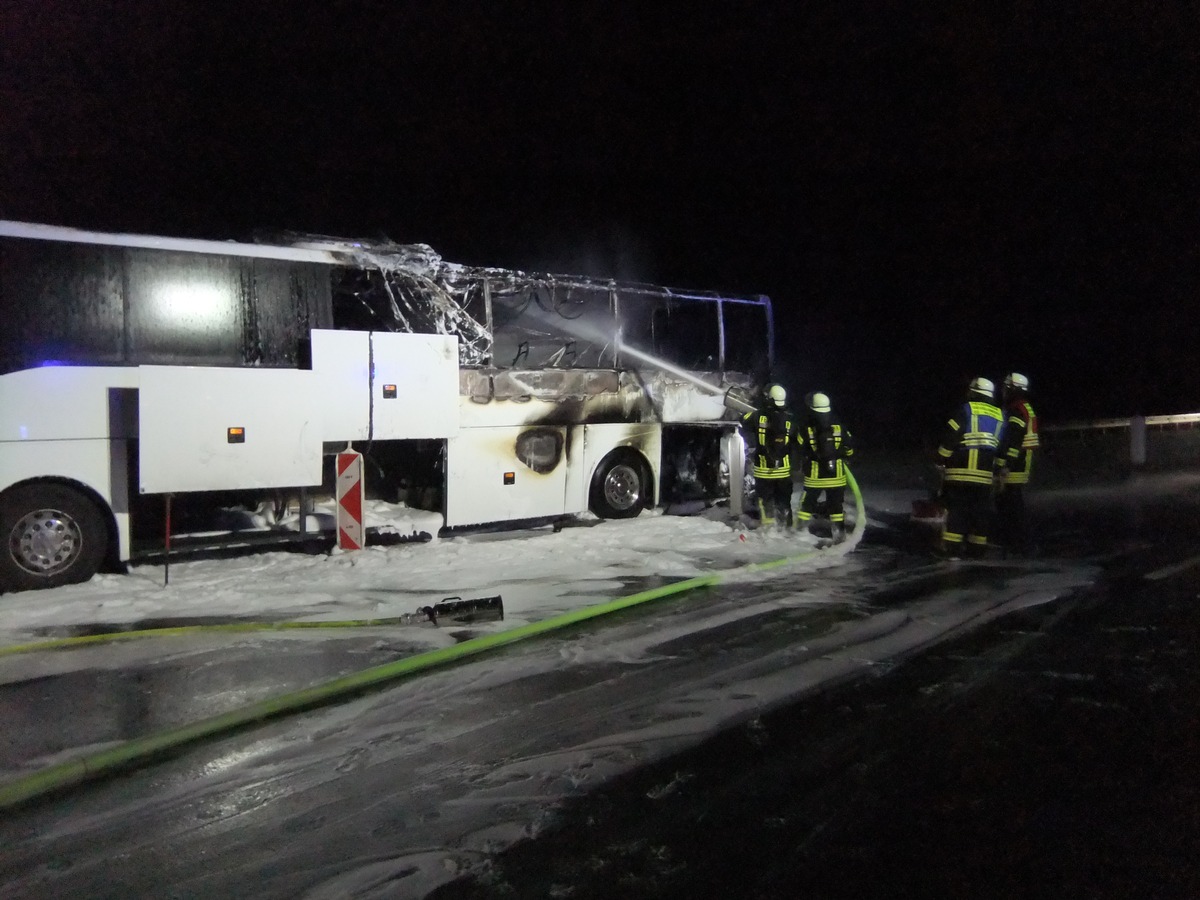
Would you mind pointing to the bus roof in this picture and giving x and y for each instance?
(417, 258)
(186, 245)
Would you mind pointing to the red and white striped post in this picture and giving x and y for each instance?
(349, 500)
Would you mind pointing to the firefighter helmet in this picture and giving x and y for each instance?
(983, 387)
(1014, 381)
(776, 395)
(818, 402)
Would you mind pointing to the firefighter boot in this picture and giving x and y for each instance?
(766, 522)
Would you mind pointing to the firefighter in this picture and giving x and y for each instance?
(967, 458)
(1017, 443)
(771, 434)
(827, 443)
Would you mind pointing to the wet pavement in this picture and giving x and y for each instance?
(101, 695)
(1052, 753)
(1050, 749)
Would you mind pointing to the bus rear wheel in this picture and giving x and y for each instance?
(53, 535)
(619, 487)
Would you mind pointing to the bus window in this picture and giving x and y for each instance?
(747, 331)
(60, 304)
(185, 308)
(687, 334)
(552, 325)
(373, 299)
(289, 300)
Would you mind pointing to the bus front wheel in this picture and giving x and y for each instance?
(53, 535)
(619, 487)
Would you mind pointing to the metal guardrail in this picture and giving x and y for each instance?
(1155, 442)
(1189, 419)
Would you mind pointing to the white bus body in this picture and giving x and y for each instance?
(139, 367)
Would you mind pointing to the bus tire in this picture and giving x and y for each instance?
(619, 486)
(53, 535)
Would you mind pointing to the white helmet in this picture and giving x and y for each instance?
(983, 386)
(818, 402)
(1014, 381)
(777, 395)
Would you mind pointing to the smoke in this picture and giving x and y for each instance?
(614, 252)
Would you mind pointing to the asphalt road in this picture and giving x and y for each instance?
(1052, 753)
(939, 729)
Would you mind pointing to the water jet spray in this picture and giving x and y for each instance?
(734, 396)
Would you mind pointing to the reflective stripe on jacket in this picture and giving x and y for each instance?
(971, 442)
(1019, 441)
(774, 434)
(819, 473)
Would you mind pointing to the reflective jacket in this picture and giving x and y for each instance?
(826, 445)
(1019, 440)
(971, 442)
(771, 432)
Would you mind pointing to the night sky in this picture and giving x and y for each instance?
(927, 191)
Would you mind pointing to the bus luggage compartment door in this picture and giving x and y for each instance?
(505, 473)
(206, 429)
(415, 385)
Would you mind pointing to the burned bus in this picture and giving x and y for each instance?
(137, 371)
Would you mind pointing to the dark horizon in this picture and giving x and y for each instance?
(926, 195)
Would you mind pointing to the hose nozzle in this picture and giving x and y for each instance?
(737, 399)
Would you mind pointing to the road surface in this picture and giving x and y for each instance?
(901, 726)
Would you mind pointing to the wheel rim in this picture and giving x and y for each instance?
(622, 487)
(45, 542)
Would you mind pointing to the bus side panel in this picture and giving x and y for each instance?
(60, 402)
(681, 402)
(190, 418)
(341, 362)
(577, 471)
(503, 473)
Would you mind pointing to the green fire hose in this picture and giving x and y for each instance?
(127, 755)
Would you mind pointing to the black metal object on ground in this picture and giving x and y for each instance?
(456, 609)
